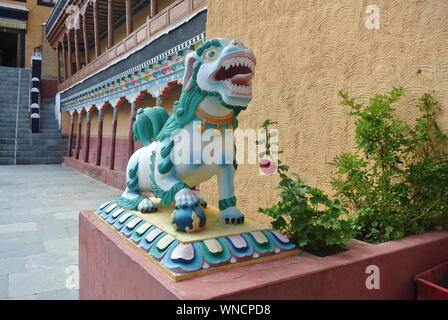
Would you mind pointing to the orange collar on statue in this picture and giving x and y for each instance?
(217, 121)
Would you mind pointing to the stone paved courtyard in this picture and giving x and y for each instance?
(39, 208)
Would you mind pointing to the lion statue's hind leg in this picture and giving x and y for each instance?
(132, 199)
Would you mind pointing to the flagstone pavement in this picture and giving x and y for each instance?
(39, 208)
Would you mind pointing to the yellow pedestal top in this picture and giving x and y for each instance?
(214, 228)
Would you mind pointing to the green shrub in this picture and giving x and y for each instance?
(397, 181)
(306, 215)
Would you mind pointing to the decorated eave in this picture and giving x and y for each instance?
(55, 14)
(13, 16)
(152, 76)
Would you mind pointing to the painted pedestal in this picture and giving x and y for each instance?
(185, 255)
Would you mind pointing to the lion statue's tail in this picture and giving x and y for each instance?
(148, 123)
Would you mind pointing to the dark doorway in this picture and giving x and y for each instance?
(9, 43)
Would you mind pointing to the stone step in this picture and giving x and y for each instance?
(14, 82)
(48, 130)
(12, 124)
(34, 141)
(23, 107)
(7, 147)
(37, 141)
(7, 154)
(33, 147)
(39, 147)
(7, 129)
(12, 92)
(6, 161)
(4, 141)
(12, 78)
(14, 75)
(27, 135)
(9, 132)
(39, 160)
(11, 102)
(53, 127)
(40, 135)
(10, 135)
(26, 114)
(21, 121)
(38, 154)
(13, 107)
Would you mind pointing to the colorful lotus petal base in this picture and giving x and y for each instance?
(184, 260)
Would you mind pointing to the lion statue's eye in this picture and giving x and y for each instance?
(211, 54)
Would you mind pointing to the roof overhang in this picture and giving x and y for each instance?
(13, 16)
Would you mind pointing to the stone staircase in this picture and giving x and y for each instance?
(17, 144)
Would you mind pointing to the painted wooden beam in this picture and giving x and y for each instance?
(110, 24)
(154, 7)
(129, 17)
(96, 29)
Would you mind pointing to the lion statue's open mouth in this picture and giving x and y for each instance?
(236, 72)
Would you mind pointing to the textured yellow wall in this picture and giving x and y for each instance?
(307, 50)
(36, 16)
(49, 59)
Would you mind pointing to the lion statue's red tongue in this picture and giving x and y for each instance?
(242, 79)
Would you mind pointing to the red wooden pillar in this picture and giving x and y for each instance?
(131, 130)
(99, 138)
(87, 138)
(114, 139)
(78, 136)
(70, 137)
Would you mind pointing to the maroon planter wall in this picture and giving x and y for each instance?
(111, 268)
(115, 178)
